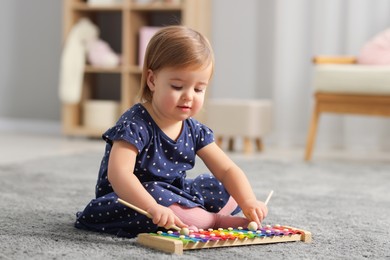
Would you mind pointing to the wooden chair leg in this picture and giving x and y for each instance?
(312, 132)
(247, 145)
(259, 144)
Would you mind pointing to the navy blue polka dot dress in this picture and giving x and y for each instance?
(161, 167)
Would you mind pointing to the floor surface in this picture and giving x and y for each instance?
(19, 147)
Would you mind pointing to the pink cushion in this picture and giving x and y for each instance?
(377, 50)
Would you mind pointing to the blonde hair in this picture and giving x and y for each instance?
(175, 47)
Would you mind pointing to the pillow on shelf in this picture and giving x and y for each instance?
(100, 54)
(145, 34)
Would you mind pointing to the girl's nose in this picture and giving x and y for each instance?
(187, 95)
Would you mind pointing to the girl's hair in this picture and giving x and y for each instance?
(175, 47)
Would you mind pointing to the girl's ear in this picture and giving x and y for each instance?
(150, 80)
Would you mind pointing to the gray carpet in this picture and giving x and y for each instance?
(345, 205)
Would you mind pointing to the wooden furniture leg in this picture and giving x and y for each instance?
(231, 144)
(259, 144)
(219, 141)
(312, 132)
(70, 117)
(247, 145)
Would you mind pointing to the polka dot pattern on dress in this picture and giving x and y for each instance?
(161, 166)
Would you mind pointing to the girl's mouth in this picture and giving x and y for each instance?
(184, 108)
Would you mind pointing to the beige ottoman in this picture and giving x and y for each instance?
(249, 119)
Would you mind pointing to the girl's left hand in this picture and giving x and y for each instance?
(254, 211)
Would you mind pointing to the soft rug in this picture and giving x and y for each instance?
(346, 206)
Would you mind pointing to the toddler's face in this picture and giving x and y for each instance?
(179, 93)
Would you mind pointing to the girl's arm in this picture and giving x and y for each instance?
(127, 186)
(234, 180)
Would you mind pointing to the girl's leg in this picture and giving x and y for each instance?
(201, 218)
(230, 206)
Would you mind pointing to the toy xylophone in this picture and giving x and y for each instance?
(174, 242)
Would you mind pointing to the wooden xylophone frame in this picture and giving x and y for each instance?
(175, 245)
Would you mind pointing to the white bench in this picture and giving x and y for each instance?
(348, 89)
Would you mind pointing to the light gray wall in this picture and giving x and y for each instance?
(31, 36)
(31, 33)
(237, 37)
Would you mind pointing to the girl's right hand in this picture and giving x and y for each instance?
(164, 217)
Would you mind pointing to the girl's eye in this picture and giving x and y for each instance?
(176, 87)
(199, 90)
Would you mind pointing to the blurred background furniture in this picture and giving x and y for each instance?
(232, 118)
(343, 87)
(119, 23)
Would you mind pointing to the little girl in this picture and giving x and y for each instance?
(154, 144)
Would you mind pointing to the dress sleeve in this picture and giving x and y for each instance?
(133, 132)
(203, 135)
